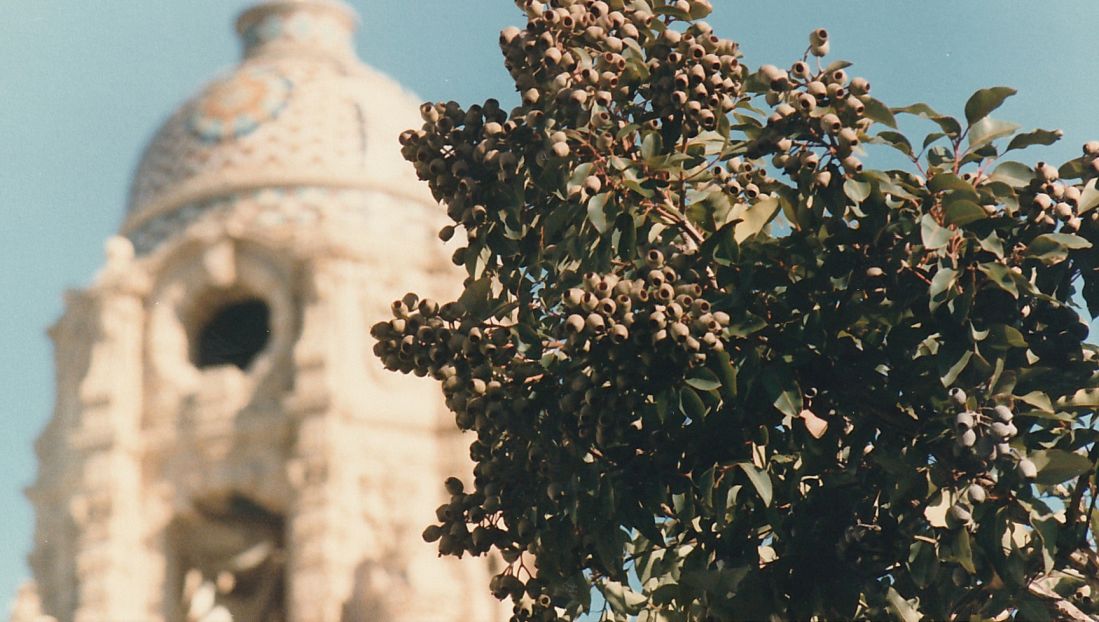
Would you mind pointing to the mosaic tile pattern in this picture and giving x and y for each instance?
(237, 105)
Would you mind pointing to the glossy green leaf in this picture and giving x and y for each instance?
(789, 402)
(923, 562)
(897, 141)
(1051, 248)
(933, 235)
(726, 373)
(691, 404)
(596, 213)
(1014, 174)
(1057, 465)
(950, 181)
(987, 130)
(948, 124)
(1082, 398)
(956, 369)
(932, 138)
(904, 610)
(940, 286)
(1036, 137)
(1089, 198)
(984, 101)
(1038, 400)
(879, 112)
(753, 217)
(703, 380)
(760, 480)
(1001, 276)
(993, 244)
(1006, 336)
(963, 212)
(856, 190)
(622, 599)
(963, 551)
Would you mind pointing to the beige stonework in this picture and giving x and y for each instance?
(293, 486)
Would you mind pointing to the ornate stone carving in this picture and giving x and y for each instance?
(282, 183)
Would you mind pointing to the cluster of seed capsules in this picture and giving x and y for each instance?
(462, 153)
(631, 333)
(1057, 203)
(572, 54)
(818, 117)
(983, 438)
(695, 79)
(655, 309)
(478, 366)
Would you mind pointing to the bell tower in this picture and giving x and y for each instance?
(224, 446)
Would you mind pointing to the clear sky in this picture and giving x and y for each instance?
(84, 84)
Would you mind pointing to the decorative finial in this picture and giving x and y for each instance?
(297, 26)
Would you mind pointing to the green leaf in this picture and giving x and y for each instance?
(932, 234)
(579, 174)
(1073, 169)
(1057, 465)
(938, 291)
(1001, 276)
(475, 296)
(879, 112)
(651, 145)
(963, 212)
(1052, 248)
(898, 141)
(1089, 198)
(691, 404)
(1083, 398)
(923, 563)
(856, 190)
(753, 217)
(1036, 137)
(963, 551)
(1014, 174)
(622, 599)
(987, 130)
(596, 214)
(993, 244)
(985, 101)
(956, 369)
(761, 481)
(1038, 400)
(1006, 336)
(789, 402)
(949, 125)
(904, 610)
(949, 181)
(931, 138)
(726, 372)
(703, 380)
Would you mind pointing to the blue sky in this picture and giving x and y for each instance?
(84, 84)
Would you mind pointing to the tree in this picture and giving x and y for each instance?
(718, 369)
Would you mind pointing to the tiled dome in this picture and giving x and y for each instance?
(300, 110)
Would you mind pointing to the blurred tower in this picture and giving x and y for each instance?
(224, 443)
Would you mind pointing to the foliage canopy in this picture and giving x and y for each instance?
(718, 369)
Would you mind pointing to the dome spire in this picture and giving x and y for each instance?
(324, 27)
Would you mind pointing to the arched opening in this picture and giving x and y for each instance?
(234, 335)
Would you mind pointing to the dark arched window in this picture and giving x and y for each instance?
(234, 335)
